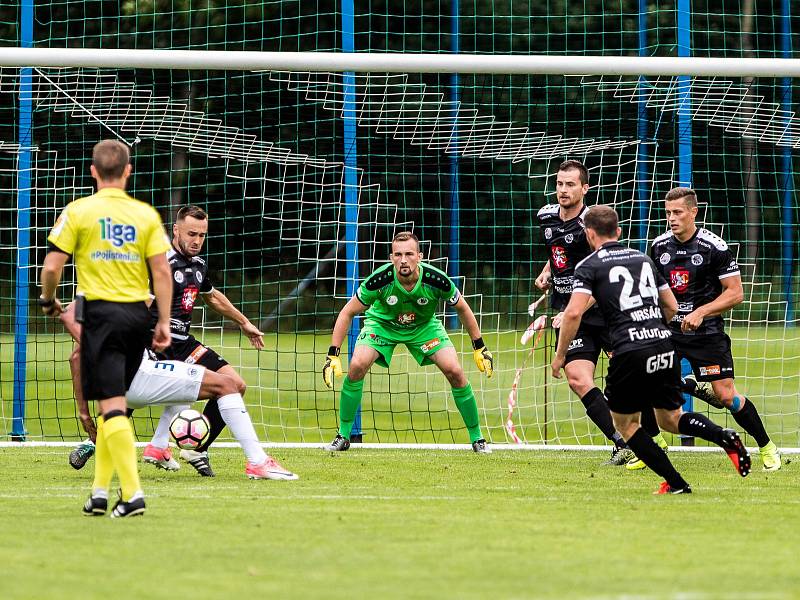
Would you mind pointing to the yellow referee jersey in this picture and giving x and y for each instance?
(110, 236)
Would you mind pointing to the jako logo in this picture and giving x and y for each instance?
(115, 233)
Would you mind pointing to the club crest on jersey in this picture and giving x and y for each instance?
(430, 345)
(664, 258)
(116, 233)
(559, 257)
(568, 238)
(422, 301)
(188, 298)
(406, 318)
(697, 259)
(679, 279)
(548, 233)
(178, 276)
(391, 300)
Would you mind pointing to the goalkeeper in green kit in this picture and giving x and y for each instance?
(400, 299)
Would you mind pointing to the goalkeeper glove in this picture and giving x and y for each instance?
(483, 358)
(333, 366)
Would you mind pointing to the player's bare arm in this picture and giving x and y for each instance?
(578, 303)
(51, 274)
(542, 281)
(483, 358)
(333, 364)
(732, 294)
(219, 303)
(668, 303)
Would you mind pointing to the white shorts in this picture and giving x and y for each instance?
(164, 382)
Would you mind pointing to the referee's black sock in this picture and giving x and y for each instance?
(211, 411)
(749, 420)
(649, 423)
(655, 458)
(597, 410)
(697, 425)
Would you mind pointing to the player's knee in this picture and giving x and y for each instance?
(455, 376)
(75, 359)
(579, 383)
(357, 370)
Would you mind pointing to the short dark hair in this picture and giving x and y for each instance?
(682, 193)
(191, 211)
(603, 220)
(404, 236)
(576, 165)
(109, 158)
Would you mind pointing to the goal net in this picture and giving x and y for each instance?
(307, 175)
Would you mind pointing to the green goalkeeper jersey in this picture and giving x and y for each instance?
(399, 309)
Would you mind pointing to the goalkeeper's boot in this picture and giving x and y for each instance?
(770, 457)
(733, 446)
(96, 506)
(666, 488)
(619, 456)
(160, 457)
(200, 462)
(636, 463)
(132, 508)
(339, 444)
(81, 454)
(481, 447)
(269, 469)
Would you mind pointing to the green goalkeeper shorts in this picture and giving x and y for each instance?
(422, 341)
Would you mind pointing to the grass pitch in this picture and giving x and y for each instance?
(404, 524)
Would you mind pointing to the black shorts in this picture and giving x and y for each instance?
(589, 341)
(113, 338)
(710, 355)
(193, 352)
(631, 388)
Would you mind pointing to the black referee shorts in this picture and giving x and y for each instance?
(589, 341)
(113, 337)
(642, 378)
(710, 355)
(193, 352)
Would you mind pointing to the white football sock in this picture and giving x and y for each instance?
(236, 417)
(161, 436)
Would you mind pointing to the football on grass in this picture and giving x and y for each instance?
(189, 429)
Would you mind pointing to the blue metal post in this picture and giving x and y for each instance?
(685, 141)
(455, 209)
(642, 199)
(18, 431)
(351, 182)
(787, 217)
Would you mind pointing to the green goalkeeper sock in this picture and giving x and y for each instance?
(465, 402)
(350, 400)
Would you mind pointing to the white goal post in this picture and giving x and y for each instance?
(369, 62)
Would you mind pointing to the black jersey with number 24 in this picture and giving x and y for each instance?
(625, 284)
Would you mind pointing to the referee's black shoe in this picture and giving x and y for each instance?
(96, 506)
(733, 446)
(339, 444)
(133, 508)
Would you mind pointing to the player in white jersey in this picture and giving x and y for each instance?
(174, 385)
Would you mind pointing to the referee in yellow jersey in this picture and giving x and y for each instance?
(113, 239)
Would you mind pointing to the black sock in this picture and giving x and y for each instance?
(649, 423)
(597, 410)
(211, 411)
(697, 425)
(748, 419)
(655, 458)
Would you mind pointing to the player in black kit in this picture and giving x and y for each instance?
(631, 295)
(705, 278)
(190, 278)
(562, 227)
